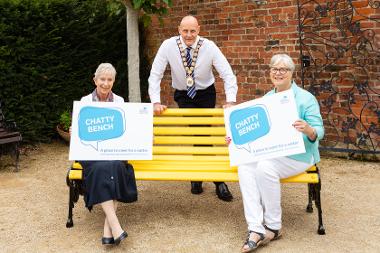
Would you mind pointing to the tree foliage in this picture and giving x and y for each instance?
(157, 7)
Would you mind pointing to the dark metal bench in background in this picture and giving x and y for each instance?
(10, 138)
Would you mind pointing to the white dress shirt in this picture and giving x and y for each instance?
(209, 55)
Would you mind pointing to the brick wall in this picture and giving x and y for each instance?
(343, 44)
(248, 34)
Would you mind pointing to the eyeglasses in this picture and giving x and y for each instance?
(282, 71)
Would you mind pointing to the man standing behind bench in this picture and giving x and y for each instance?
(191, 58)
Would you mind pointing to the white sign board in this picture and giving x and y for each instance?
(111, 131)
(262, 129)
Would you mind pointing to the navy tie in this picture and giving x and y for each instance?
(191, 92)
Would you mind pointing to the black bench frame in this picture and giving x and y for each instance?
(10, 138)
(76, 189)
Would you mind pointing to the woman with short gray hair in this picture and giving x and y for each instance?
(108, 182)
(260, 181)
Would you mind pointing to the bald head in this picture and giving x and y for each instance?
(189, 30)
(189, 20)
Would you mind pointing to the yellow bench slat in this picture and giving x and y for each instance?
(181, 163)
(186, 176)
(188, 120)
(192, 112)
(178, 150)
(312, 168)
(75, 174)
(201, 169)
(163, 130)
(186, 140)
(77, 166)
(213, 176)
(183, 166)
(162, 171)
(191, 158)
(302, 178)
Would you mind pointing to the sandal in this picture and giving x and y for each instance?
(277, 234)
(252, 245)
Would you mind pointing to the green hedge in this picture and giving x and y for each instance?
(49, 50)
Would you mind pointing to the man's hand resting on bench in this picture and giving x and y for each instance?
(158, 108)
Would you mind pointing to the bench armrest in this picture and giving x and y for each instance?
(10, 125)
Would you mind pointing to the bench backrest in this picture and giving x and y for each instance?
(188, 144)
(177, 131)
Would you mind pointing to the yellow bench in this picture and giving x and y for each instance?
(189, 145)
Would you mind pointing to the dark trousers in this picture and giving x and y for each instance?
(203, 99)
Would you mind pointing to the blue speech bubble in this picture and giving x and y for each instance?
(99, 124)
(249, 124)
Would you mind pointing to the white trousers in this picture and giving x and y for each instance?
(261, 190)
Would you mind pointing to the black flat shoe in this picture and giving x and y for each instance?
(223, 193)
(196, 187)
(121, 237)
(108, 241)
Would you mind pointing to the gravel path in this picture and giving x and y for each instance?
(168, 218)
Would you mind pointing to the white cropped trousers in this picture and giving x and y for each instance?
(261, 190)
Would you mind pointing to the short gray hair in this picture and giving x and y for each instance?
(282, 58)
(105, 68)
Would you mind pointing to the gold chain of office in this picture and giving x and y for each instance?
(189, 70)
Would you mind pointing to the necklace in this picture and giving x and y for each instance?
(189, 69)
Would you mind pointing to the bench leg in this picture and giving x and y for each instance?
(70, 222)
(321, 229)
(14, 151)
(310, 191)
(17, 155)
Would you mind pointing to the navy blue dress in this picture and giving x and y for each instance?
(108, 180)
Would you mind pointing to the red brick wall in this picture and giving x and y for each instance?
(248, 34)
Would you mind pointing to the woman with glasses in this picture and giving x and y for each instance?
(260, 181)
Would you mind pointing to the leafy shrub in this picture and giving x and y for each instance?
(49, 50)
(65, 121)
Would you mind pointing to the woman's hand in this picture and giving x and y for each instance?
(303, 127)
(228, 140)
(229, 104)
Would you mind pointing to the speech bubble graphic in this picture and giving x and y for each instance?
(96, 124)
(248, 125)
